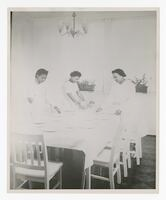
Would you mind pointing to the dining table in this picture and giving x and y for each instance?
(86, 131)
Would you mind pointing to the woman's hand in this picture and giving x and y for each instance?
(83, 105)
(57, 109)
(90, 104)
(99, 109)
(118, 112)
(30, 100)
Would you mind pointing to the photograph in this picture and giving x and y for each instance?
(83, 90)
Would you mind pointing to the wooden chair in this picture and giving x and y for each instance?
(132, 148)
(135, 150)
(30, 162)
(124, 154)
(109, 158)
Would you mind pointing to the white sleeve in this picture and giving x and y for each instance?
(69, 88)
(129, 97)
(120, 101)
(30, 91)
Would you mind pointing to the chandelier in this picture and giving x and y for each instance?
(73, 30)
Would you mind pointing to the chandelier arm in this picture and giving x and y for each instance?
(72, 30)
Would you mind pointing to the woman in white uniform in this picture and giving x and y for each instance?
(37, 97)
(122, 101)
(73, 95)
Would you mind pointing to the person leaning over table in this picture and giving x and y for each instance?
(73, 93)
(121, 101)
(37, 96)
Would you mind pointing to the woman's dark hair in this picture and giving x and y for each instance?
(75, 73)
(120, 72)
(40, 72)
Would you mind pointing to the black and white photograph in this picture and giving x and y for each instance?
(83, 99)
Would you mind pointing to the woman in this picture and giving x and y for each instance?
(122, 101)
(73, 94)
(122, 92)
(38, 97)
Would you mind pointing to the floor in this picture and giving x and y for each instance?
(139, 177)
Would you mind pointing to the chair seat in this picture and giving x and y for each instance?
(53, 168)
(104, 157)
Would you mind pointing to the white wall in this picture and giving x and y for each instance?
(128, 43)
(21, 64)
(63, 54)
(133, 46)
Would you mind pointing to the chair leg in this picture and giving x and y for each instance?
(140, 148)
(14, 181)
(125, 164)
(137, 158)
(30, 184)
(111, 179)
(83, 180)
(129, 160)
(46, 184)
(88, 177)
(118, 174)
(112, 184)
(137, 152)
(125, 157)
(60, 178)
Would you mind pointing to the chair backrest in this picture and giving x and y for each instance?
(29, 152)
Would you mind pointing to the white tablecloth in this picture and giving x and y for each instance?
(86, 131)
